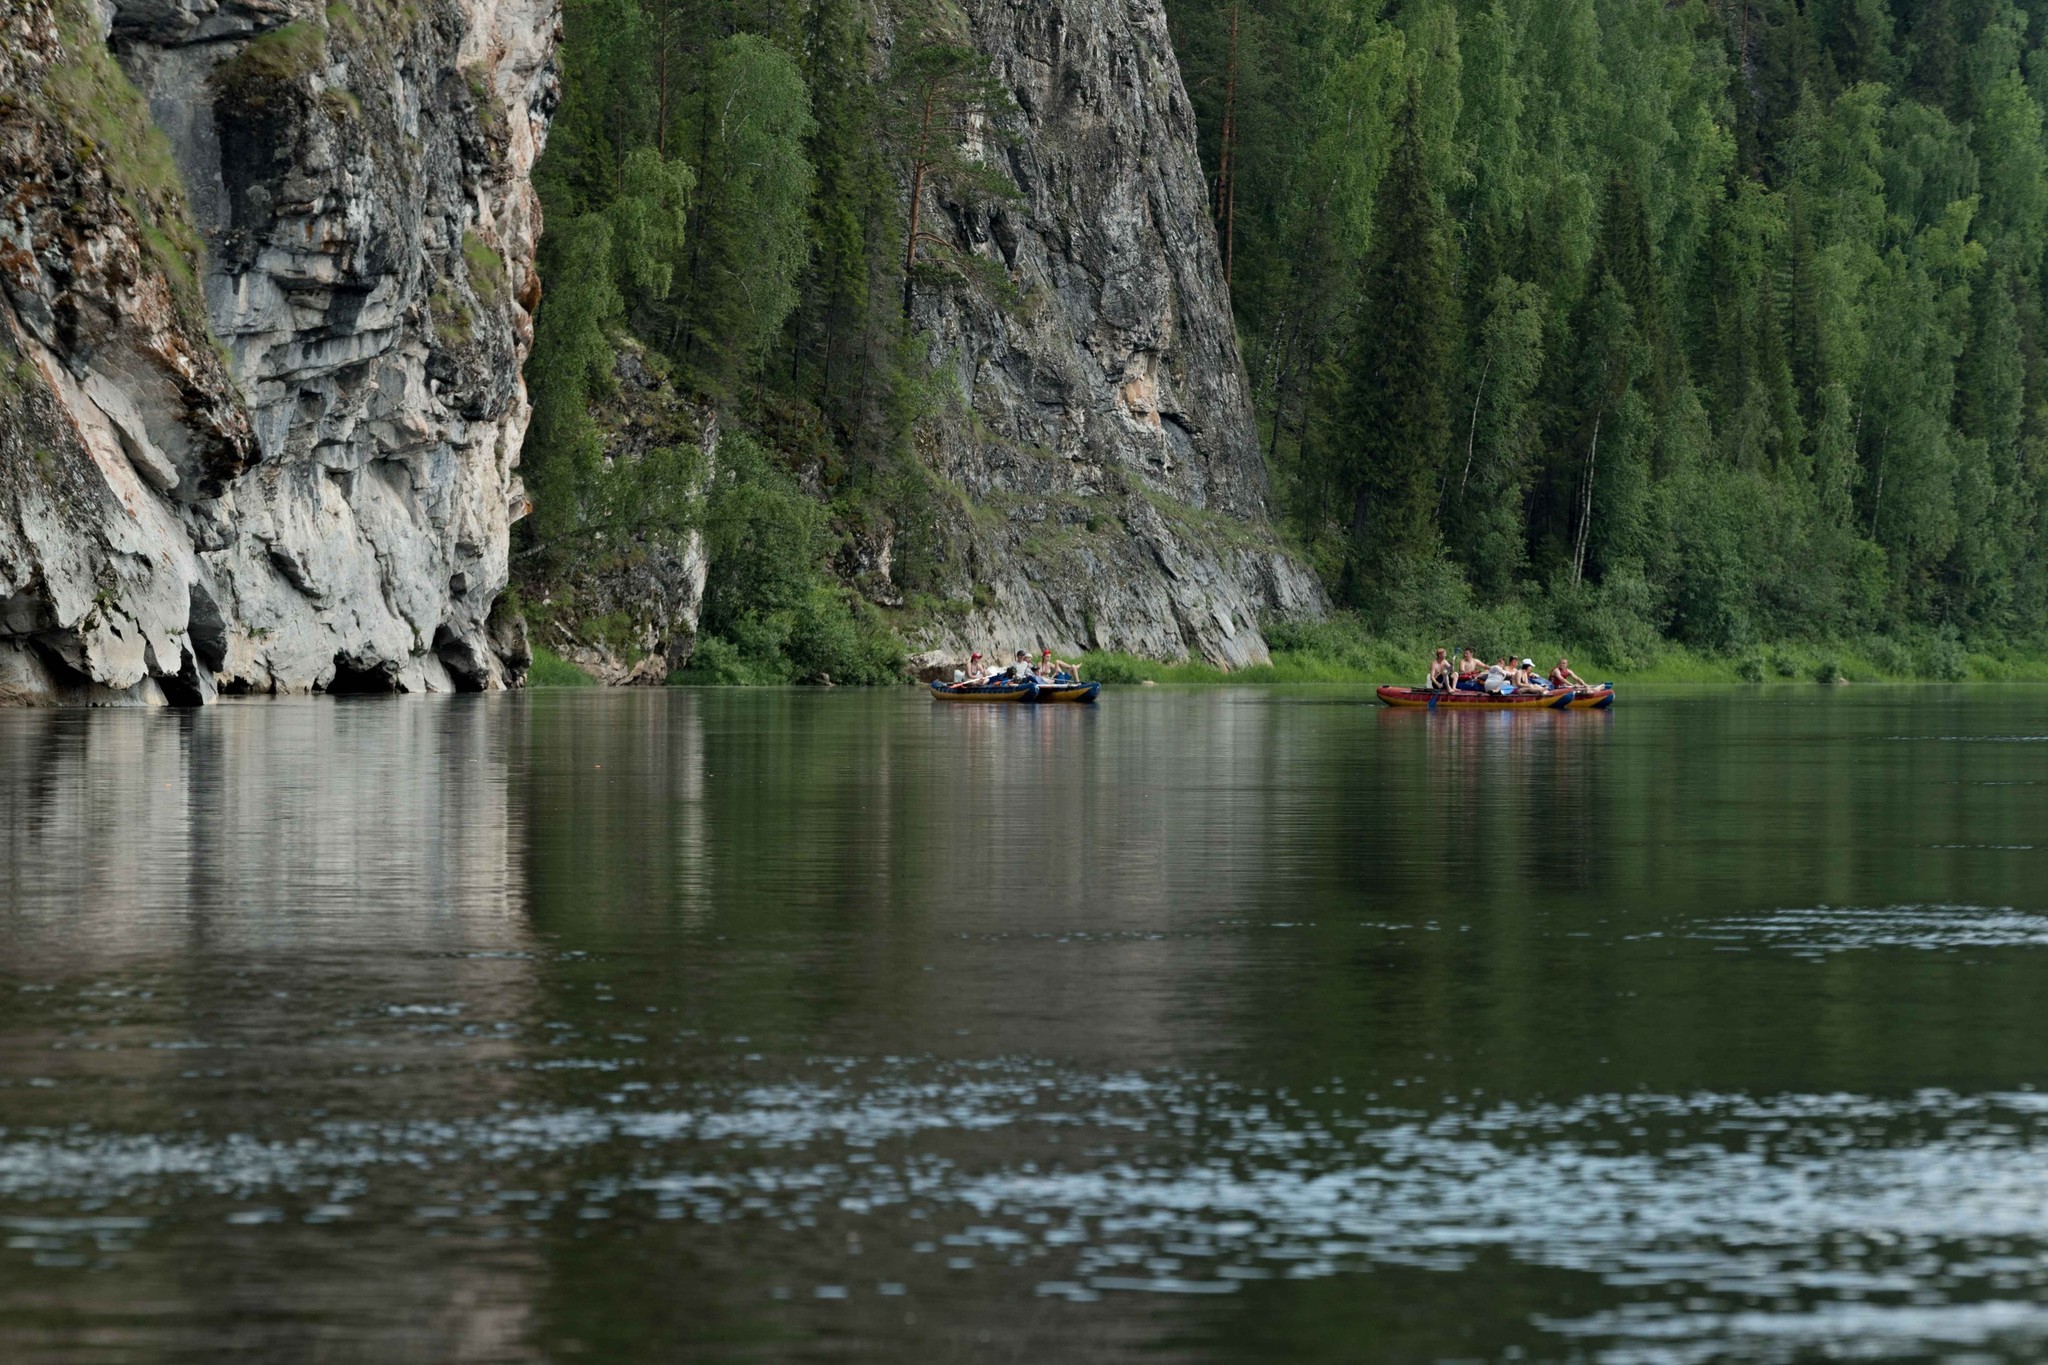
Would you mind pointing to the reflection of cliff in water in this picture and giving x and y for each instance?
(132, 838)
(237, 926)
(1079, 862)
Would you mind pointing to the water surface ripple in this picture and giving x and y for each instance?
(1205, 1026)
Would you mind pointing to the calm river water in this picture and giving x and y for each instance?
(1206, 1025)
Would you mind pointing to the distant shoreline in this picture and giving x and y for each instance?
(1367, 662)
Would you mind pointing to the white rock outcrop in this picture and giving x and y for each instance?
(321, 500)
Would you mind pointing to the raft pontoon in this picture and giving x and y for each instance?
(1030, 690)
(1569, 699)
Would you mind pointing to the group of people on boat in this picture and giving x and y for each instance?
(1503, 677)
(1019, 669)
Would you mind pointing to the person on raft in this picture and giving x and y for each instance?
(1058, 669)
(1562, 676)
(1442, 677)
(1018, 669)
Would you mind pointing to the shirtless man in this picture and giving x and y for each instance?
(1441, 675)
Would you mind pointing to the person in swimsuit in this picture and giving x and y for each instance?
(1562, 676)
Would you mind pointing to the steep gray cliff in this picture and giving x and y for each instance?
(1102, 485)
(297, 469)
(1102, 436)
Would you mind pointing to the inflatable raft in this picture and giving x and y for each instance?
(1030, 690)
(1572, 699)
(1004, 691)
(1068, 690)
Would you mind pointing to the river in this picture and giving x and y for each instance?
(1204, 1025)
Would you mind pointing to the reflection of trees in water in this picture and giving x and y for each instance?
(1508, 901)
(845, 843)
(1278, 887)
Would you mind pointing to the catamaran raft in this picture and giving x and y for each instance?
(1569, 699)
(1026, 691)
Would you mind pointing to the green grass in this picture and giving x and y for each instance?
(453, 326)
(341, 18)
(552, 670)
(282, 55)
(110, 123)
(1339, 651)
(486, 270)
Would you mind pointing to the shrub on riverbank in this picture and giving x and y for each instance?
(772, 613)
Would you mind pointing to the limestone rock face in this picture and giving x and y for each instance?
(1103, 412)
(319, 499)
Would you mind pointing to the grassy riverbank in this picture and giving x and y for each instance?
(1341, 651)
(550, 669)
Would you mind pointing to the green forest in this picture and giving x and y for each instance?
(1608, 322)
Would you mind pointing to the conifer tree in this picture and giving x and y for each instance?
(1395, 434)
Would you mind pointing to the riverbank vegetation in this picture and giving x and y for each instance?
(549, 669)
(725, 190)
(1342, 651)
(1679, 329)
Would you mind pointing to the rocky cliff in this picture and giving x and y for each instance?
(1102, 438)
(1100, 481)
(295, 467)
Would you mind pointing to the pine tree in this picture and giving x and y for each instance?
(746, 141)
(1396, 427)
